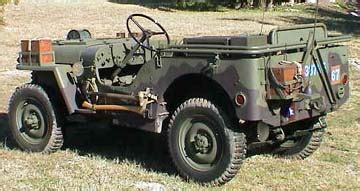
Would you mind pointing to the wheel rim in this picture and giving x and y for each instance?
(198, 143)
(30, 121)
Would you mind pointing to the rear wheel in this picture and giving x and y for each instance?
(301, 147)
(33, 121)
(202, 144)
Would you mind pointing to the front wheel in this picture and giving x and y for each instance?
(33, 121)
(202, 144)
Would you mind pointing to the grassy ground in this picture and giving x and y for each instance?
(104, 158)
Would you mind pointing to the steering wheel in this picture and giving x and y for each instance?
(146, 33)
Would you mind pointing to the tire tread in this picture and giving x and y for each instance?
(56, 139)
(238, 139)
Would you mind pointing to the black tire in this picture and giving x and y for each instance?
(213, 152)
(33, 122)
(301, 147)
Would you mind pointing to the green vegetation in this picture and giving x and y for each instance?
(196, 5)
(333, 16)
(216, 5)
(3, 2)
(1, 17)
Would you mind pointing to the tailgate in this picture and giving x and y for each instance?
(334, 87)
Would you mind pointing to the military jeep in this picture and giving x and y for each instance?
(217, 97)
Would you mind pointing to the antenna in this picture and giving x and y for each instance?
(315, 18)
(262, 21)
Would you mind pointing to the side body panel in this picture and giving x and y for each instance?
(235, 76)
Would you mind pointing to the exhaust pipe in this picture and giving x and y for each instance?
(95, 107)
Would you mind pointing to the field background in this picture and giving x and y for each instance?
(105, 158)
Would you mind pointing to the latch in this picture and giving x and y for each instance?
(212, 66)
(157, 59)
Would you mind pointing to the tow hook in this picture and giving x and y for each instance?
(322, 123)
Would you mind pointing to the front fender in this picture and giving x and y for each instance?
(66, 86)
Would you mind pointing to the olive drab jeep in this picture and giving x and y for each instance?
(217, 97)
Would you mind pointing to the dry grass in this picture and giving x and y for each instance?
(120, 158)
(354, 49)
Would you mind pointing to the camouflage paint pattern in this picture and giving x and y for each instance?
(237, 70)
